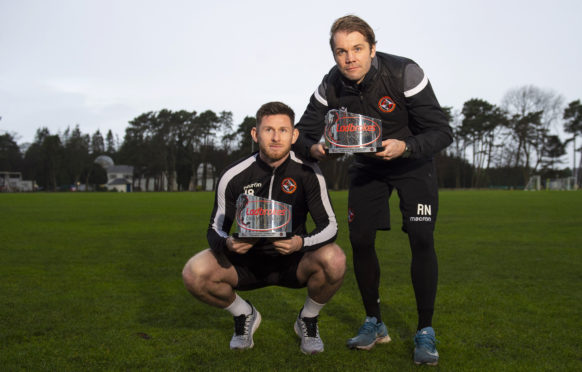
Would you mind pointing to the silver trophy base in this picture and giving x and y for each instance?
(339, 150)
(281, 234)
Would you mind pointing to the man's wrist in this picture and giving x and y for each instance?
(407, 152)
(301, 241)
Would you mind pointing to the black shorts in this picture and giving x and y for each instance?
(371, 187)
(256, 269)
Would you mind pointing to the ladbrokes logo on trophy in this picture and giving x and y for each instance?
(356, 128)
(348, 132)
(265, 212)
(261, 217)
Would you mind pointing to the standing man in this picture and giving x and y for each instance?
(414, 128)
(305, 259)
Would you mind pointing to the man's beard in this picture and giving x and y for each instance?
(270, 156)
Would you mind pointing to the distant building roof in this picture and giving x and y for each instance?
(120, 169)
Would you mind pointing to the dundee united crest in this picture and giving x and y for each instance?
(289, 185)
(386, 104)
(351, 215)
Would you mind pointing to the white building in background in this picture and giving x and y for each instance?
(208, 183)
(13, 182)
(119, 178)
(160, 183)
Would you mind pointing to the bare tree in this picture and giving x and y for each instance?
(533, 112)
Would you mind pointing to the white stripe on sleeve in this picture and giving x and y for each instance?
(319, 98)
(331, 229)
(221, 190)
(418, 88)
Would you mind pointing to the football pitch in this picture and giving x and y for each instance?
(92, 281)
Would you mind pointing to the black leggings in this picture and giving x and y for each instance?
(423, 270)
(369, 211)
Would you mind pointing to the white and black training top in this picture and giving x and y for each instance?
(296, 182)
(396, 91)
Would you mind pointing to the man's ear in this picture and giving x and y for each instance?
(254, 134)
(295, 135)
(373, 51)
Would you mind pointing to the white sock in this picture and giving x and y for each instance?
(239, 307)
(311, 308)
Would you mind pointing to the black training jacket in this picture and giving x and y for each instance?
(295, 182)
(395, 90)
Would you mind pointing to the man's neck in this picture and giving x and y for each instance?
(272, 163)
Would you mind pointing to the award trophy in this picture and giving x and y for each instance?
(261, 217)
(346, 132)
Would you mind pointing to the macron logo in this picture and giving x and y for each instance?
(423, 213)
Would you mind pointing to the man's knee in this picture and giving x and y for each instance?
(362, 236)
(333, 261)
(421, 237)
(198, 272)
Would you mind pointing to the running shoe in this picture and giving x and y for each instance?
(425, 351)
(244, 328)
(308, 331)
(370, 333)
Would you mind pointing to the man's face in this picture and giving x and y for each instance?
(353, 54)
(275, 135)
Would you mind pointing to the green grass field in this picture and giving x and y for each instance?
(93, 282)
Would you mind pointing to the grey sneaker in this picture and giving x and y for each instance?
(425, 351)
(244, 328)
(370, 333)
(308, 331)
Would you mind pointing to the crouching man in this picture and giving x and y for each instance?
(305, 259)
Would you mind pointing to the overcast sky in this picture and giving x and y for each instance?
(101, 63)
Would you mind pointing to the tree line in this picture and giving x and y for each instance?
(493, 146)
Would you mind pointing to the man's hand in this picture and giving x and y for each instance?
(288, 246)
(393, 149)
(317, 151)
(240, 246)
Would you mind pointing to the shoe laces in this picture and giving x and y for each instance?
(310, 326)
(368, 327)
(241, 324)
(426, 340)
